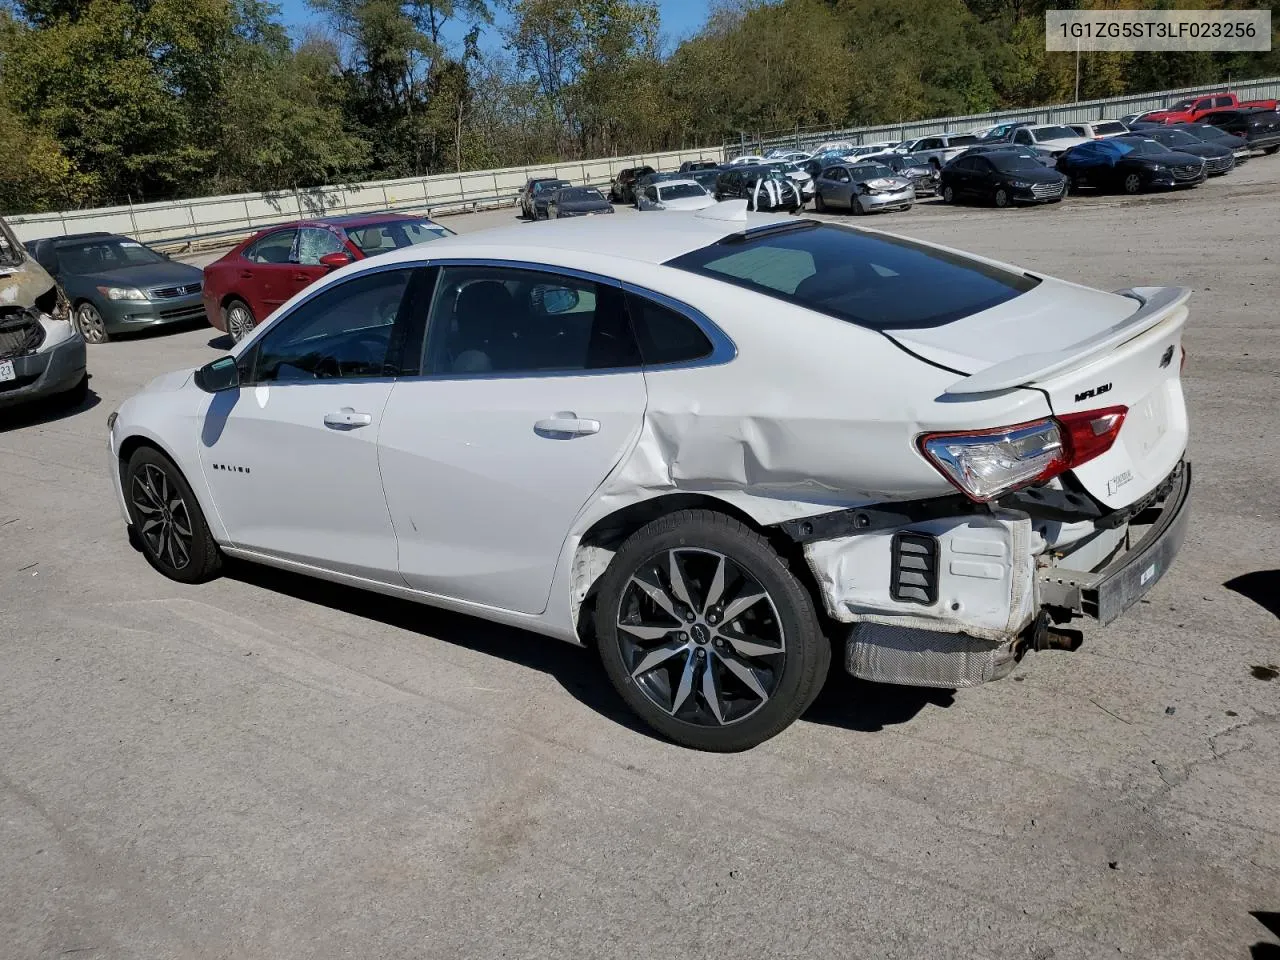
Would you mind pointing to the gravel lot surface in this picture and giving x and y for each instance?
(266, 767)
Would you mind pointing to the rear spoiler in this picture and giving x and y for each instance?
(1156, 303)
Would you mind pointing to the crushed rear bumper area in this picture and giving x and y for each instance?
(1106, 593)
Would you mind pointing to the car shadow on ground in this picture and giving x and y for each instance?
(1263, 950)
(1260, 586)
(223, 341)
(44, 410)
(851, 703)
(845, 702)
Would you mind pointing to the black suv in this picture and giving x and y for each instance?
(1260, 128)
(623, 187)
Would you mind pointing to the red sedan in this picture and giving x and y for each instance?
(242, 288)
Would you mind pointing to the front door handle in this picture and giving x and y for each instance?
(347, 419)
(246, 274)
(565, 425)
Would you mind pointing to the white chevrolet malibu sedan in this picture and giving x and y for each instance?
(718, 448)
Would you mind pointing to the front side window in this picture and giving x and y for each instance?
(342, 333)
(273, 248)
(314, 243)
(499, 320)
(1022, 136)
(875, 281)
(932, 143)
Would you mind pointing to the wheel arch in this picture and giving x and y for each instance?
(600, 541)
(139, 439)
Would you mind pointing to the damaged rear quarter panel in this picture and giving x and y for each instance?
(812, 415)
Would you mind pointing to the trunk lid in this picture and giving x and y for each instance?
(1085, 350)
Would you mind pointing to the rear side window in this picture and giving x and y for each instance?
(273, 248)
(665, 335)
(878, 282)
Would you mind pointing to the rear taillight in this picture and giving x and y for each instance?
(1092, 433)
(986, 464)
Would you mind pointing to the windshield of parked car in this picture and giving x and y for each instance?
(104, 253)
(873, 280)
(550, 185)
(1146, 148)
(870, 171)
(1206, 132)
(1054, 133)
(578, 194)
(1175, 137)
(1013, 162)
(375, 238)
(680, 191)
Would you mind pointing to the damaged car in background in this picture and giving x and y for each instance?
(863, 187)
(724, 450)
(41, 352)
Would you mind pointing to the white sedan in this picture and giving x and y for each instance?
(722, 450)
(673, 195)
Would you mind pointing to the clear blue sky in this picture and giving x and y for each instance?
(680, 18)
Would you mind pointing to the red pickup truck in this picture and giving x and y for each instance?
(1192, 109)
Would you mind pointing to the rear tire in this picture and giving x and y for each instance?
(240, 322)
(170, 525)
(818, 205)
(1270, 150)
(706, 634)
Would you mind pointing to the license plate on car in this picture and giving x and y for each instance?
(6, 371)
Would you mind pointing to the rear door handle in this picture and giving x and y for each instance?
(246, 274)
(566, 425)
(301, 276)
(347, 419)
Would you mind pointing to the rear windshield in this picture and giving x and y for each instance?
(1109, 126)
(875, 281)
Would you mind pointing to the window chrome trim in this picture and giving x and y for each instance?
(723, 349)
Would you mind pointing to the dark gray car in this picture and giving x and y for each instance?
(118, 285)
(577, 202)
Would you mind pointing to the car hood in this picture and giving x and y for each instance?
(583, 206)
(1042, 175)
(21, 283)
(1204, 150)
(145, 275)
(887, 183)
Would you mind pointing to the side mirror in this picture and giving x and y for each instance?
(339, 258)
(218, 375)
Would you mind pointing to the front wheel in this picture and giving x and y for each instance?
(1132, 184)
(1001, 197)
(90, 324)
(818, 205)
(948, 195)
(1270, 150)
(707, 635)
(169, 523)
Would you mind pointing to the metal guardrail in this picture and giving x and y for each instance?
(180, 223)
(1084, 110)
